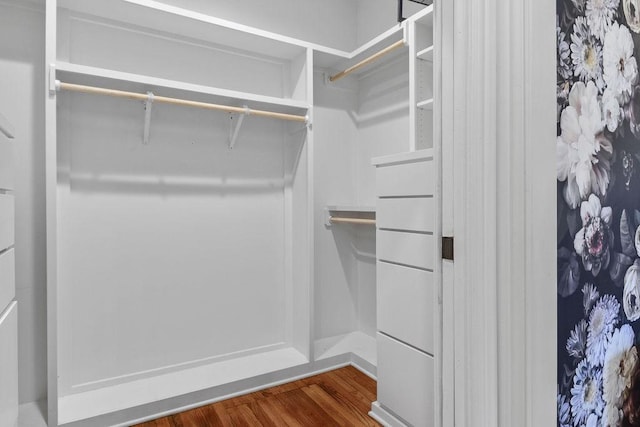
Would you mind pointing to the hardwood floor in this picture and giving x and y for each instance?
(337, 398)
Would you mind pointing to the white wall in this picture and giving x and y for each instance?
(21, 100)
(377, 16)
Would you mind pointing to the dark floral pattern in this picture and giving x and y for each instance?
(598, 254)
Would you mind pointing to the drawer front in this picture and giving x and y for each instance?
(406, 248)
(406, 304)
(9, 367)
(406, 179)
(6, 221)
(6, 164)
(405, 381)
(413, 214)
(7, 278)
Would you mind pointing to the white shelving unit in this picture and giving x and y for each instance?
(93, 167)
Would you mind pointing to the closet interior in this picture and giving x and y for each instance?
(212, 207)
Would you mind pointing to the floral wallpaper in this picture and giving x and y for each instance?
(598, 172)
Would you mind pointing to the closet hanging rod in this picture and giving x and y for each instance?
(176, 101)
(367, 61)
(341, 220)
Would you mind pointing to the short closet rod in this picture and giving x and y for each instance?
(363, 221)
(175, 101)
(367, 61)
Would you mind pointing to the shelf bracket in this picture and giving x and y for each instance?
(233, 132)
(147, 117)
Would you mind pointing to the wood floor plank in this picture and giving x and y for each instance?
(341, 397)
(243, 416)
(191, 418)
(304, 409)
(342, 415)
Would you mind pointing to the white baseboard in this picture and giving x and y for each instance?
(384, 417)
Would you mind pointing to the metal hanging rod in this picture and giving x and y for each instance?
(175, 101)
(367, 61)
(341, 220)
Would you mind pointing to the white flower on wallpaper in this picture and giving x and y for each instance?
(602, 322)
(632, 14)
(564, 411)
(589, 297)
(600, 15)
(620, 362)
(620, 67)
(586, 54)
(577, 341)
(631, 294)
(593, 240)
(586, 393)
(611, 110)
(582, 151)
(564, 55)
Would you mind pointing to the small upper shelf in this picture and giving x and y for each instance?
(426, 54)
(93, 76)
(426, 104)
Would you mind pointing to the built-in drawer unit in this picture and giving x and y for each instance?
(405, 179)
(405, 381)
(410, 214)
(414, 249)
(406, 303)
(7, 278)
(9, 366)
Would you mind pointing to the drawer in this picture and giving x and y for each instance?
(6, 221)
(412, 249)
(406, 304)
(414, 214)
(406, 381)
(9, 366)
(406, 179)
(7, 278)
(6, 164)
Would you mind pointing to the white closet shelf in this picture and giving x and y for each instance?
(354, 209)
(339, 62)
(92, 76)
(361, 215)
(6, 127)
(188, 23)
(426, 54)
(427, 104)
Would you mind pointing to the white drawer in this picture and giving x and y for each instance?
(6, 164)
(406, 179)
(412, 249)
(414, 214)
(406, 381)
(9, 366)
(7, 278)
(406, 304)
(6, 221)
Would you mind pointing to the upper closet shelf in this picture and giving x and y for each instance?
(175, 20)
(6, 128)
(117, 80)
